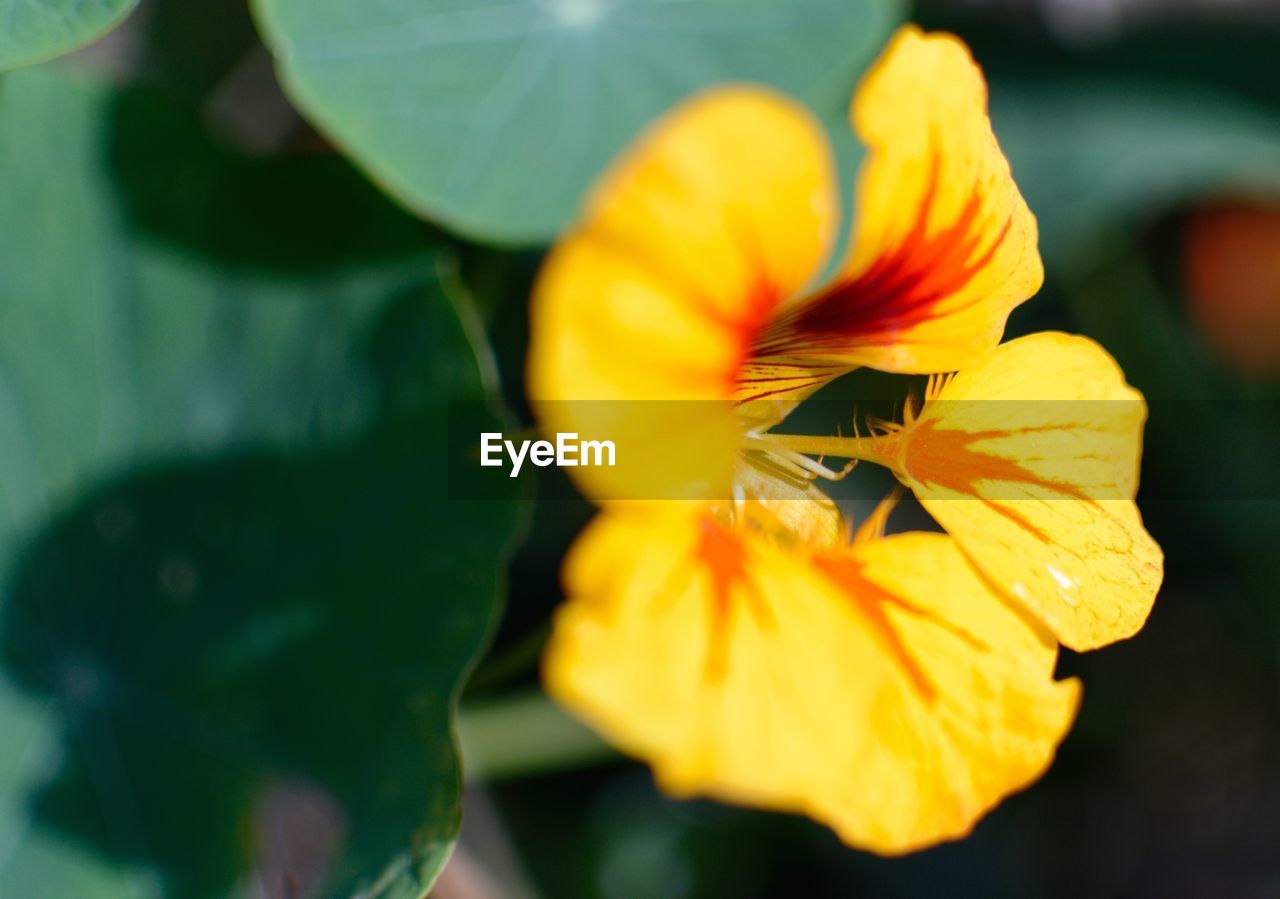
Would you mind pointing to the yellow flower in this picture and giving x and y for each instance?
(742, 642)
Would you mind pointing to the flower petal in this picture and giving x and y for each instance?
(980, 714)
(896, 706)
(1030, 460)
(723, 209)
(944, 246)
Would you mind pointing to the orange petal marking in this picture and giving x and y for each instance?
(945, 458)
(870, 598)
(723, 557)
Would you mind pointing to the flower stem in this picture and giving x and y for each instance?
(524, 735)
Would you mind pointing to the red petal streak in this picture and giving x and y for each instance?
(900, 290)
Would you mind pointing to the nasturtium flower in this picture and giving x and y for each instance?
(732, 630)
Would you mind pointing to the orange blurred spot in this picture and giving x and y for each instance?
(1232, 275)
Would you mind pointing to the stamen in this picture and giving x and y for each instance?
(796, 458)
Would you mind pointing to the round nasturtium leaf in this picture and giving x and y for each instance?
(32, 31)
(494, 116)
(236, 600)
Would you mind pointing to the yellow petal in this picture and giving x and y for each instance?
(1030, 460)
(684, 249)
(944, 246)
(894, 705)
(978, 715)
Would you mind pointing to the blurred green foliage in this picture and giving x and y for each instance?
(36, 30)
(1117, 149)
(238, 602)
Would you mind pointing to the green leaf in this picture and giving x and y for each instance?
(494, 116)
(237, 600)
(36, 30)
(1091, 154)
